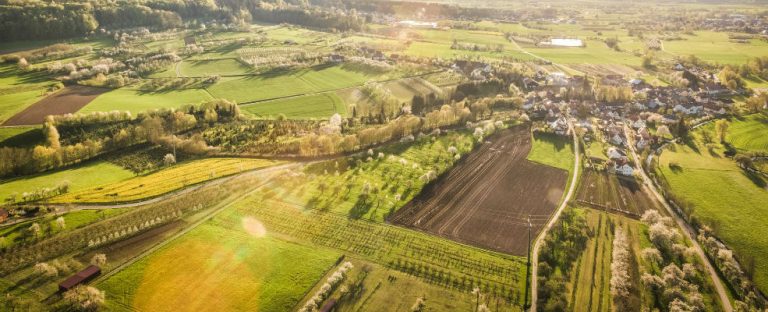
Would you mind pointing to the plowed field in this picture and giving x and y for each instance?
(486, 200)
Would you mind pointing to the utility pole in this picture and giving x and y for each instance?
(528, 276)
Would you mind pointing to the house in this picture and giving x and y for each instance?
(641, 143)
(689, 109)
(639, 123)
(625, 170)
(557, 79)
(617, 139)
(716, 89)
(337, 58)
(679, 67)
(559, 126)
(3, 215)
(189, 40)
(81, 277)
(615, 154)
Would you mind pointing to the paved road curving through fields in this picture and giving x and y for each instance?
(687, 229)
(543, 233)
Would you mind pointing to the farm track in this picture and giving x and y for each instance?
(487, 199)
(540, 238)
(687, 231)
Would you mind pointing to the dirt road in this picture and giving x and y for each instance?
(566, 199)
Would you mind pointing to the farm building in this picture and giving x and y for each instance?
(3, 215)
(80, 277)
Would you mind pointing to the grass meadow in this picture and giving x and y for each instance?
(136, 101)
(716, 47)
(322, 105)
(165, 180)
(80, 178)
(552, 150)
(724, 196)
(204, 68)
(17, 233)
(749, 133)
(244, 269)
(291, 83)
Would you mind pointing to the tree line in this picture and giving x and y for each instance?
(157, 127)
(49, 20)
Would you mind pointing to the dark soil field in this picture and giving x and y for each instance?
(69, 100)
(486, 200)
(611, 193)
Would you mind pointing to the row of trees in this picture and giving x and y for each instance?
(562, 246)
(47, 20)
(125, 225)
(748, 297)
(679, 284)
(157, 127)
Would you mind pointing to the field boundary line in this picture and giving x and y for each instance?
(555, 217)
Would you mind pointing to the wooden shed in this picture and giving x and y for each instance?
(81, 277)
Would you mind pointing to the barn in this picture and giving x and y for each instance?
(81, 277)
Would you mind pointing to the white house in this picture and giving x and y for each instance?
(625, 170)
(639, 123)
(615, 153)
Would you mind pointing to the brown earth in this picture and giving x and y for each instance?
(69, 100)
(487, 199)
(623, 195)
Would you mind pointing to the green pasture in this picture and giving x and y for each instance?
(552, 150)
(716, 47)
(80, 178)
(290, 83)
(204, 68)
(136, 101)
(19, 232)
(749, 133)
(245, 268)
(322, 105)
(20, 136)
(725, 197)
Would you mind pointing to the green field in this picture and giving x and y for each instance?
(552, 150)
(321, 105)
(14, 234)
(433, 259)
(12, 103)
(397, 175)
(135, 101)
(716, 47)
(239, 271)
(724, 197)
(204, 68)
(749, 133)
(283, 84)
(10, 135)
(589, 285)
(164, 181)
(79, 178)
